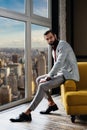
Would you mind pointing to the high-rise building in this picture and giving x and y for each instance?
(41, 64)
(16, 68)
(12, 82)
(21, 82)
(15, 58)
(5, 94)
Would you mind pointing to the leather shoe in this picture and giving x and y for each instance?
(49, 109)
(22, 118)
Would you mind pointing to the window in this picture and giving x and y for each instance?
(12, 71)
(21, 34)
(12, 33)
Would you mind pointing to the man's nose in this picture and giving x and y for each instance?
(50, 41)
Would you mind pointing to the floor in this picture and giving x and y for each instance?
(55, 121)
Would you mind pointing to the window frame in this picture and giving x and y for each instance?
(29, 19)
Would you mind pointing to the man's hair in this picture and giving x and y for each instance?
(49, 31)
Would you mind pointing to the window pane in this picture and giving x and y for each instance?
(39, 53)
(15, 5)
(40, 7)
(12, 74)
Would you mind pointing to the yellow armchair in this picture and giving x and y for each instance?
(74, 94)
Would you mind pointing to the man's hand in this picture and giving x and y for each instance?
(42, 80)
(45, 79)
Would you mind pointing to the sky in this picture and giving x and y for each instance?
(15, 5)
(12, 31)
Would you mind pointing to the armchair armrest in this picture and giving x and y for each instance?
(69, 85)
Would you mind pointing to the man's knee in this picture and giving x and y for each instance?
(38, 79)
(41, 86)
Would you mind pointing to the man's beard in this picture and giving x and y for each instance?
(54, 44)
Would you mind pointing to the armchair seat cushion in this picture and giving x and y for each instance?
(76, 98)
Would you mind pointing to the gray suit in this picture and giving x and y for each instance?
(66, 63)
(64, 68)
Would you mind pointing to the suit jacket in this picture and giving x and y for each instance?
(66, 63)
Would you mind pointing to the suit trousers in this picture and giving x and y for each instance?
(43, 89)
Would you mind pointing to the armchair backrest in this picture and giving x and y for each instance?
(82, 84)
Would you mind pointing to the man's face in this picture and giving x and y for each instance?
(50, 38)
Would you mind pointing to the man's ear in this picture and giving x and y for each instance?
(55, 36)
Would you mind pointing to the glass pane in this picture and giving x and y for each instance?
(15, 5)
(12, 74)
(40, 7)
(39, 53)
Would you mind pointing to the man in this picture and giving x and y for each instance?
(65, 67)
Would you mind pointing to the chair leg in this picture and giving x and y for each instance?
(73, 118)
